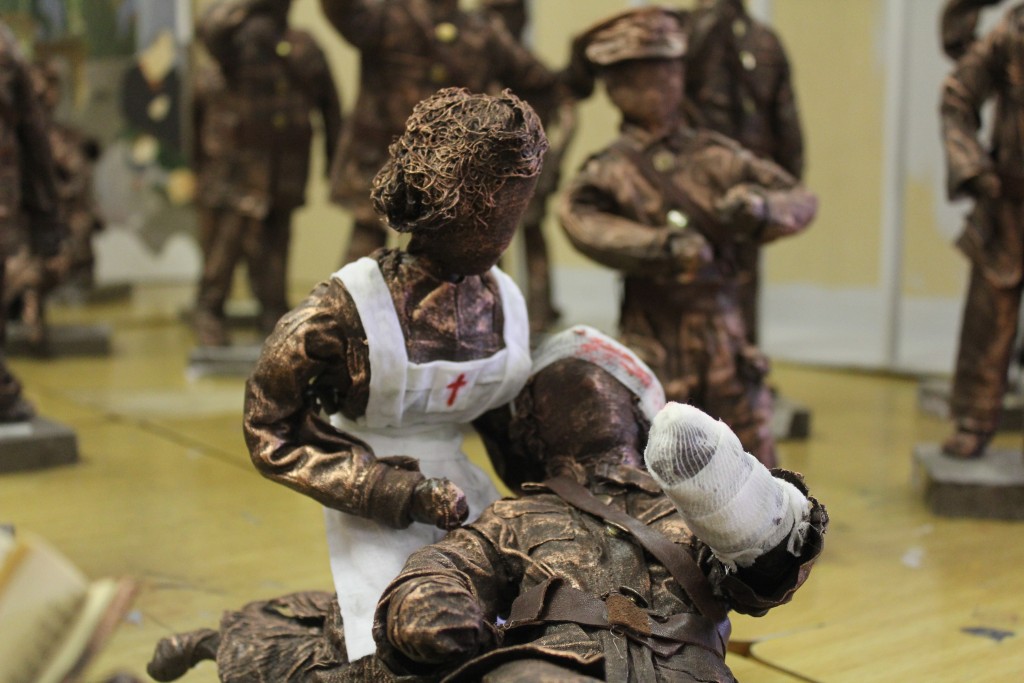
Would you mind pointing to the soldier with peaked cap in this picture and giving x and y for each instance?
(669, 206)
(254, 128)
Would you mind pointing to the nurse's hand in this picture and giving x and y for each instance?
(439, 502)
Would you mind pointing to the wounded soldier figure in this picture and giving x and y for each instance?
(594, 574)
(597, 574)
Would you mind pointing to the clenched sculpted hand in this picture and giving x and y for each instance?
(439, 502)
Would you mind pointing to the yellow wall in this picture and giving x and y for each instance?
(840, 83)
(836, 52)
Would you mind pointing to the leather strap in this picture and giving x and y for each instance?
(676, 560)
(556, 601)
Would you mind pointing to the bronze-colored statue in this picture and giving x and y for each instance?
(29, 201)
(958, 25)
(29, 278)
(404, 348)
(670, 206)
(583, 420)
(408, 50)
(595, 573)
(738, 83)
(993, 238)
(253, 121)
(559, 117)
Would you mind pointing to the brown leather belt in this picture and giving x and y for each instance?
(554, 601)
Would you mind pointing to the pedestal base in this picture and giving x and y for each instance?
(36, 444)
(62, 341)
(933, 397)
(991, 486)
(223, 361)
(791, 421)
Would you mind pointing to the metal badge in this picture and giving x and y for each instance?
(677, 219)
(748, 60)
(284, 48)
(664, 161)
(446, 32)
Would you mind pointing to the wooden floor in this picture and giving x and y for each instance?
(165, 492)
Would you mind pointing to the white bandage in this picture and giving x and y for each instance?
(728, 499)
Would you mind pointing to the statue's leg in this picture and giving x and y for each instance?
(986, 344)
(175, 655)
(267, 258)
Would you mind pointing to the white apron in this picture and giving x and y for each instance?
(414, 409)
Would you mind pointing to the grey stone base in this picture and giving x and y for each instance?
(223, 361)
(97, 294)
(991, 486)
(791, 421)
(36, 444)
(62, 341)
(933, 397)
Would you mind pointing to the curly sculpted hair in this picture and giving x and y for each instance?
(456, 154)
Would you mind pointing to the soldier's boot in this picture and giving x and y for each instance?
(174, 656)
(34, 320)
(966, 444)
(13, 406)
(210, 328)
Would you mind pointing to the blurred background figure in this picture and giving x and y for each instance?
(253, 120)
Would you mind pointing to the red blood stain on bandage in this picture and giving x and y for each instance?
(600, 352)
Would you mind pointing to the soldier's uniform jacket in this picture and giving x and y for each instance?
(993, 67)
(738, 80)
(406, 55)
(254, 117)
(518, 544)
(318, 357)
(617, 215)
(28, 189)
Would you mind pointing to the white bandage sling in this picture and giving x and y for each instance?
(414, 409)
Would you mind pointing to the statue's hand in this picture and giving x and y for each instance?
(985, 185)
(439, 502)
(437, 621)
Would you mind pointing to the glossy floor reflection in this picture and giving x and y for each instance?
(165, 492)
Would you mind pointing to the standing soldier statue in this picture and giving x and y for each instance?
(410, 49)
(253, 121)
(993, 239)
(738, 83)
(670, 206)
(559, 117)
(28, 188)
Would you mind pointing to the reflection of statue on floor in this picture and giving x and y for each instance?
(254, 132)
(993, 238)
(595, 574)
(670, 206)
(559, 117)
(738, 83)
(408, 50)
(28, 190)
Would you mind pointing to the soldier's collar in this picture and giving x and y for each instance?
(644, 140)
